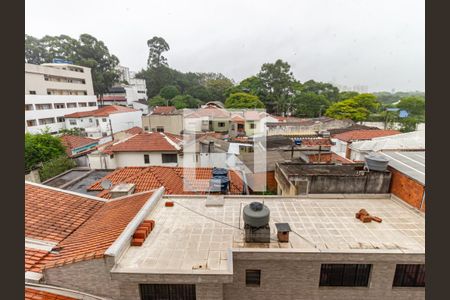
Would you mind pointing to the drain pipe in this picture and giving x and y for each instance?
(423, 200)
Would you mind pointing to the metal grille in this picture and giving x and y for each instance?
(253, 277)
(409, 275)
(167, 291)
(345, 274)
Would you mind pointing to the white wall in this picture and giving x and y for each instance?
(125, 120)
(339, 147)
(136, 159)
(99, 160)
(54, 113)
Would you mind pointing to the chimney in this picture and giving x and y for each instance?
(122, 189)
(283, 230)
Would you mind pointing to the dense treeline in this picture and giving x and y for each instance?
(273, 87)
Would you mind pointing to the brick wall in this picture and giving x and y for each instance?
(271, 182)
(407, 189)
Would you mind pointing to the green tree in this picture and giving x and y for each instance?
(40, 148)
(414, 105)
(55, 166)
(277, 81)
(321, 88)
(408, 124)
(347, 109)
(157, 46)
(158, 101)
(87, 51)
(243, 100)
(199, 92)
(73, 131)
(185, 101)
(217, 88)
(252, 85)
(368, 101)
(310, 104)
(347, 95)
(169, 91)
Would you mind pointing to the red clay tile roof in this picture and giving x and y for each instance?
(53, 215)
(134, 130)
(172, 178)
(317, 142)
(97, 234)
(32, 259)
(163, 110)
(101, 112)
(33, 294)
(73, 141)
(148, 142)
(356, 135)
(211, 111)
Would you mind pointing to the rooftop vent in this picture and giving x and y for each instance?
(376, 162)
(283, 230)
(122, 189)
(256, 219)
(219, 181)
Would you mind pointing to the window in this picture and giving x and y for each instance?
(252, 277)
(59, 105)
(167, 291)
(221, 124)
(46, 121)
(71, 105)
(159, 128)
(60, 119)
(31, 123)
(410, 275)
(344, 274)
(32, 92)
(146, 128)
(84, 93)
(104, 120)
(111, 156)
(90, 120)
(169, 158)
(83, 81)
(104, 134)
(252, 126)
(49, 93)
(28, 106)
(92, 103)
(82, 104)
(73, 122)
(146, 159)
(43, 106)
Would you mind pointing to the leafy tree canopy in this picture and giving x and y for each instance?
(185, 101)
(158, 101)
(414, 105)
(87, 51)
(310, 104)
(321, 88)
(40, 148)
(347, 95)
(169, 91)
(243, 100)
(157, 46)
(347, 109)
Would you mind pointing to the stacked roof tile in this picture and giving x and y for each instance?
(33, 294)
(134, 130)
(72, 142)
(101, 112)
(172, 178)
(163, 110)
(358, 135)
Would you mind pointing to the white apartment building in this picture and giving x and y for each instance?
(53, 90)
(104, 121)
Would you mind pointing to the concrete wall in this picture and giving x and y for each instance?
(101, 161)
(310, 129)
(296, 276)
(171, 123)
(136, 159)
(407, 189)
(125, 120)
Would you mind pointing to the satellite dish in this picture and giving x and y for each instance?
(106, 184)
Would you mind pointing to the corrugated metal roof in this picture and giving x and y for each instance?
(411, 163)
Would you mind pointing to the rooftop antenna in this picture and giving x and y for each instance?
(106, 184)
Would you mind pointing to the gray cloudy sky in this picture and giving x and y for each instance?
(380, 43)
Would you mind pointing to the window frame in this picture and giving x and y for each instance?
(146, 159)
(401, 271)
(334, 275)
(165, 155)
(257, 280)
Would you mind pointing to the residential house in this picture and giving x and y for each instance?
(142, 149)
(53, 90)
(343, 141)
(200, 247)
(104, 121)
(164, 119)
(77, 147)
(208, 119)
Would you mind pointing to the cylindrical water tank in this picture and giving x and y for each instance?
(256, 214)
(376, 162)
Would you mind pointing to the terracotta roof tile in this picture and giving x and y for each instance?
(52, 215)
(33, 258)
(148, 141)
(33, 294)
(101, 112)
(317, 142)
(172, 178)
(163, 110)
(73, 141)
(356, 135)
(134, 130)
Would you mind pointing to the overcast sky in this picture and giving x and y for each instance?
(380, 44)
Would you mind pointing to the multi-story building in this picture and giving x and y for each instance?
(144, 245)
(53, 90)
(164, 119)
(104, 121)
